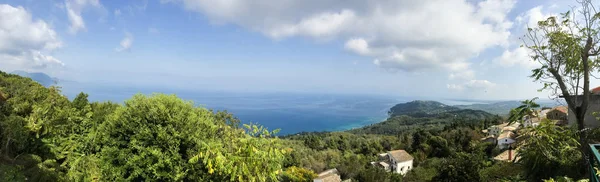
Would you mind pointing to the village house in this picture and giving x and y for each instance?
(397, 161)
(506, 138)
(502, 135)
(331, 175)
(531, 122)
(590, 119)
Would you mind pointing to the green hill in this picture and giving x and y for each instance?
(420, 108)
(410, 116)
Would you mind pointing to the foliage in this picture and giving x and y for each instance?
(46, 137)
(298, 174)
(528, 108)
(550, 151)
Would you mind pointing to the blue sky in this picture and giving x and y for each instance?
(443, 48)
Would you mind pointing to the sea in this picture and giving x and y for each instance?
(290, 112)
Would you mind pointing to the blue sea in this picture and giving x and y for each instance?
(290, 112)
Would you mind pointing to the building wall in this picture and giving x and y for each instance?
(590, 120)
(504, 142)
(494, 130)
(404, 167)
(556, 115)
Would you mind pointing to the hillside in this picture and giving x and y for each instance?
(410, 116)
(420, 108)
(502, 108)
(41, 78)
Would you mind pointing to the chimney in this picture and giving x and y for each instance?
(509, 153)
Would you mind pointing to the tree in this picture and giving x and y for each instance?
(462, 167)
(566, 49)
(527, 108)
(80, 101)
(165, 138)
(298, 174)
(550, 151)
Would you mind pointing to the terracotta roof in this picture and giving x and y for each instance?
(400, 155)
(563, 109)
(507, 134)
(595, 90)
(509, 128)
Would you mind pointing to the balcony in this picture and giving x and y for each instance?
(594, 162)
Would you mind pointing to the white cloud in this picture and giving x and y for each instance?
(518, 56)
(462, 75)
(74, 10)
(117, 12)
(25, 41)
(401, 34)
(358, 45)
(126, 43)
(472, 85)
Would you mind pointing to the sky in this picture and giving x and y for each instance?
(464, 49)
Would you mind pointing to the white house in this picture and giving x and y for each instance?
(531, 122)
(397, 161)
(505, 139)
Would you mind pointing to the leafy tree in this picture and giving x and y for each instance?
(165, 138)
(566, 48)
(528, 108)
(550, 151)
(462, 167)
(298, 174)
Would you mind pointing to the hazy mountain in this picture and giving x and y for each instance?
(41, 78)
(502, 108)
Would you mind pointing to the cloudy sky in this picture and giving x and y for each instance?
(442, 48)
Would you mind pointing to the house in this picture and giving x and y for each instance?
(590, 120)
(495, 130)
(505, 139)
(557, 113)
(331, 175)
(396, 161)
(531, 122)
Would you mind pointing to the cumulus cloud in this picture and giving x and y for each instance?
(398, 34)
(74, 10)
(126, 43)
(24, 42)
(518, 56)
(472, 85)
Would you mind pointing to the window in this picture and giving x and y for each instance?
(505, 140)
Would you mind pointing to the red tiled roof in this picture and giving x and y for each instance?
(595, 90)
(563, 109)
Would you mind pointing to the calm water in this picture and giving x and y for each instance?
(292, 113)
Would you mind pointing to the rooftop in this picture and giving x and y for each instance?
(400, 155)
(507, 134)
(563, 109)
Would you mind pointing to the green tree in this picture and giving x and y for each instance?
(550, 151)
(298, 174)
(566, 48)
(528, 108)
(165, 138)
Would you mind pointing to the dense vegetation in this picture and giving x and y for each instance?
(46, 137)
